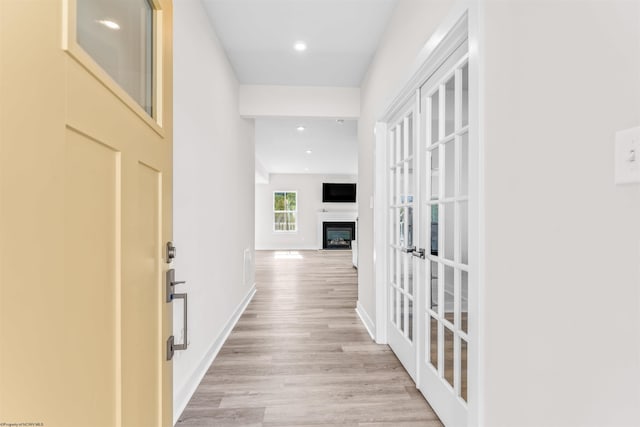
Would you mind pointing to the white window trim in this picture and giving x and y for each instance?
(274, 211)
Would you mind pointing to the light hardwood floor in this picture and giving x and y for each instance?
(299, 356)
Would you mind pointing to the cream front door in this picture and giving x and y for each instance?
(85, 212)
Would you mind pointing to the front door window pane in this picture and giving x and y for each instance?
(118, 35)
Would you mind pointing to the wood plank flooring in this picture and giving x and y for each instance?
(299, 356)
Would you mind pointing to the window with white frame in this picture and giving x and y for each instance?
(285, 211)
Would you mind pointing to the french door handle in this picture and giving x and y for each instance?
(409, 250)
(419, 253)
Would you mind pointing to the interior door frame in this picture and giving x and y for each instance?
(465, 19)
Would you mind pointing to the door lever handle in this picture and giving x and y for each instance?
(171, 282)
(419, 253)
(409, 250)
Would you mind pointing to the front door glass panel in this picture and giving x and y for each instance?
(118, 35)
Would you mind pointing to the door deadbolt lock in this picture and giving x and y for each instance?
(171, 252)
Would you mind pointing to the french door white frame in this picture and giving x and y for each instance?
(464, 20)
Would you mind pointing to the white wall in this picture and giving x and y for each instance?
(213, 193)
(262, 174)
(309, 188)
(562, 241)
(299, 101)
(411, 25)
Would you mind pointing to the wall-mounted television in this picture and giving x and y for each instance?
(338, 193)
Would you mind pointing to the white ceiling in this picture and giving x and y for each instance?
(280, 148)
(341, 35)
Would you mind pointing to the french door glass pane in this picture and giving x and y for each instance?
(433, 294)
(434, 232)
(398, 144)
(392, 265)
(450, 169)
(402, 221)
(435, 173)
(409, 227)
(392, 147)
(401, 184)
(118, 35)
(450, 106)
(402, 312)
(410, 275)
(410, 320)
(392, 292)
(448, 356)
(449, 226)
(399, 270)
(400, 141)
(464, 164)
(435, 117)
(465, 95)
(433, 339)
(464, 232)
(394, 226)
(392, 186)
(449, 286)
(410, 183)
(464, 301)
(410, 135)
(463, 369)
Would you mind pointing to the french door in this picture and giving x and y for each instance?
(444, 225)
(401, 319)
(428, 170)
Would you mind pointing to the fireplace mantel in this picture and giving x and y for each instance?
(333, 216)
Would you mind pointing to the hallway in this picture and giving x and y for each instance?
(300, 356)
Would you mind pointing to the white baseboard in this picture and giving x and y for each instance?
(294, 248)
(184, 395)
(366, 320)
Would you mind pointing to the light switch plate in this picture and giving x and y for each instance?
(628, 156)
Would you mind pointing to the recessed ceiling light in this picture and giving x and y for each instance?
(300, 46)
(109, 24)
(309, 151)
(300, 128)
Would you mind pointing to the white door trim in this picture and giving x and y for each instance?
(380, 219)
(473, 12)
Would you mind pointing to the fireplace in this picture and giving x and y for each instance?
(338, 235)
